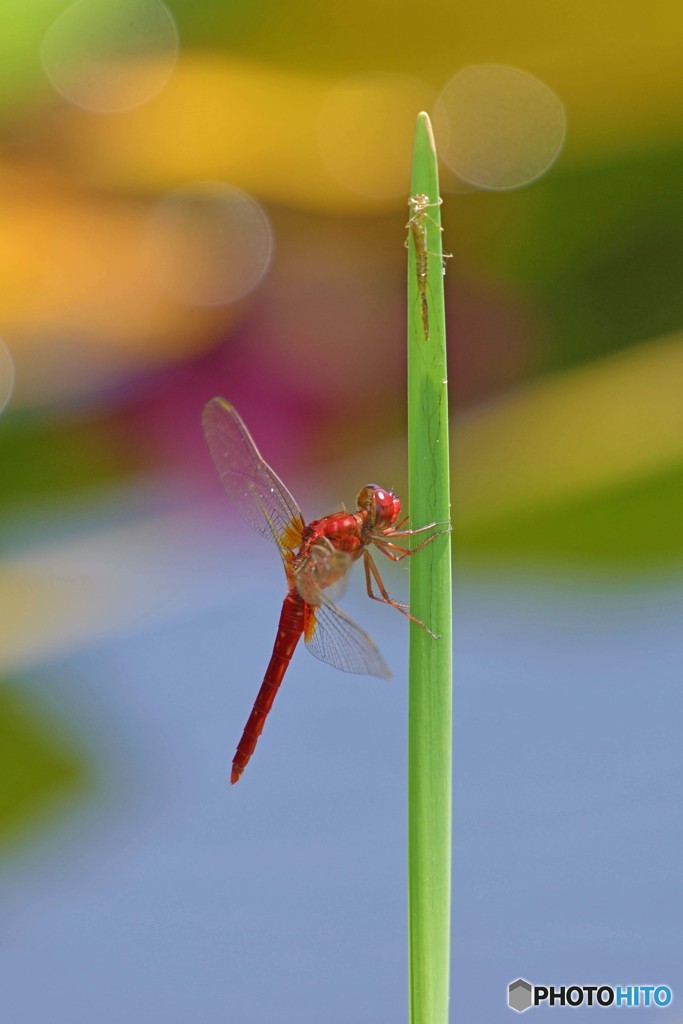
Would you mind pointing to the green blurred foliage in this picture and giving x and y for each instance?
(598, 248)
(598, 251)
(23, 26)
(215, 23)
(40, 770)
(633, 527)
(42, 457)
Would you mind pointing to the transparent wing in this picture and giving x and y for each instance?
(326, 568)
(255, 490)
(333, 637)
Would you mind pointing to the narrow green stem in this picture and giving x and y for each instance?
(430, 696)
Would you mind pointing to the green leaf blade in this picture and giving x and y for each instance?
(430, 687)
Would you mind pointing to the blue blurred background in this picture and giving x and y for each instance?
(203, 199)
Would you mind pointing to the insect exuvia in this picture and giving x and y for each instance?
(417, 226)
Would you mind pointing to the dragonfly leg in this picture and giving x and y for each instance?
(418, 529)
(395, 532)
(372, 570)
(395, 552)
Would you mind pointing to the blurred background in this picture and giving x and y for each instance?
(210, 198)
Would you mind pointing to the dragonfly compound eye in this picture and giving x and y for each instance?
(383, 505)
(387, 505)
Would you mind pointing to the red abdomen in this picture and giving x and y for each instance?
(289, 631)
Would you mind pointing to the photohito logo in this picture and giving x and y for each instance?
(522, 995)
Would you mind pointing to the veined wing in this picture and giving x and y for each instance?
(255, 490)
(333, 637)
(326, 568)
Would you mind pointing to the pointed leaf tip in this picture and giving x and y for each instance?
(423, 128)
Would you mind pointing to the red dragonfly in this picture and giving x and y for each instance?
(315, 557)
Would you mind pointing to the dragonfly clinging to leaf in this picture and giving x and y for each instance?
(315, 557)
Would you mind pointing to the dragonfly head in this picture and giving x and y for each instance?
(382, 506)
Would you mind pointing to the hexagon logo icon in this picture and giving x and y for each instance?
(519, 995)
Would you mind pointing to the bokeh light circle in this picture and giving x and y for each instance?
(498, 127)
(365, 131)
(108, 56)
(6, 375)
(208, 243)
